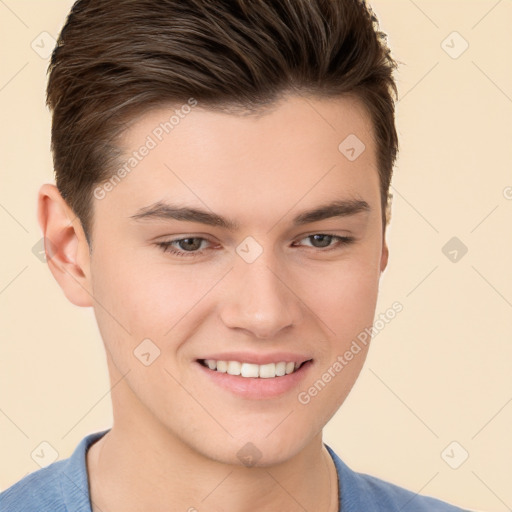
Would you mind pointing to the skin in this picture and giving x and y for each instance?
(175, 436)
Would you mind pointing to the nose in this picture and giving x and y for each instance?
(260, 300)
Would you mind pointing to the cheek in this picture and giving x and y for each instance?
(343, 296)
(162, 298)
(140, 300)
(347, 308)
(128, 301)
(352, 303)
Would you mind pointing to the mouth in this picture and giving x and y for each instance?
(252, 370)
(256, 376)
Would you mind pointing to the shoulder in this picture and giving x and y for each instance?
(63, 486)
(360, 491)
(38, 492)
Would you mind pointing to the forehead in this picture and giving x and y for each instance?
(300, 148)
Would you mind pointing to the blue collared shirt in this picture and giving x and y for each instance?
(63, 486)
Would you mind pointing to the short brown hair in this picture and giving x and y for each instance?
(117, 58)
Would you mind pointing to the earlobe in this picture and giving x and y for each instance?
(65, 244)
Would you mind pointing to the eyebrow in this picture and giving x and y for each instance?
(166, 211)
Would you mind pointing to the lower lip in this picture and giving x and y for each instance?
(257, 388)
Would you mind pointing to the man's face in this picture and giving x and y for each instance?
(258, 287)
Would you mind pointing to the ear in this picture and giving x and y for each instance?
(385, 253)
(66, 248)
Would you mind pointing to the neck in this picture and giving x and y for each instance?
(132, 469)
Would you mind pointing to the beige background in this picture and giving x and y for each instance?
(439, 372)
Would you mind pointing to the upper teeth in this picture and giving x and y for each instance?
(263, 371)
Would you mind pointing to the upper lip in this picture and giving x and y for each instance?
(258, 358)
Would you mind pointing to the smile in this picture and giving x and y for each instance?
(250, 370)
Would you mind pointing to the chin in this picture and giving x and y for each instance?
(254, 449)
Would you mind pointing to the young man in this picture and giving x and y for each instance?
(222, 187)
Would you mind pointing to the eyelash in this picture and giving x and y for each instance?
(164, 246)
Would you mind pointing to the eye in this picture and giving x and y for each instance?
(189, 246)
(322, 240)
(195, 246)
